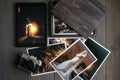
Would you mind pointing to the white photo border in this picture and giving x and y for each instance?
(56, 34)
(79, 40)
(102, 61)
(50, 72)
(60, 38)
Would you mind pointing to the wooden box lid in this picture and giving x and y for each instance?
(81, 15)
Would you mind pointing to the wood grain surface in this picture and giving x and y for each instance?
(81, 15)
(108, 34)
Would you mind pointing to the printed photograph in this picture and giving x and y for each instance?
(73, 60)
(30, 24)
(59, 28)
(101, 53)
(56, 40)
(45, 55)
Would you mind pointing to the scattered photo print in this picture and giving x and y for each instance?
(101, 53)
(73, 60)
(56, 40)
(46, 54)
(30, 24)
(60, 28)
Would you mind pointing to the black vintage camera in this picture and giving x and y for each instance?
(29, 63)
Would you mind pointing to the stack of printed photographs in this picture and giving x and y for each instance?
(67, 53)
(70, 58)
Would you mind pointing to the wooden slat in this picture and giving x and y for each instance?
(81, 15)
(43, 77)
(57, 77)
(8, 52)
(110, 37)
(100, 37)
(113, 39)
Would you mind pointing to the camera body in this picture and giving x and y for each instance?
(29, 63)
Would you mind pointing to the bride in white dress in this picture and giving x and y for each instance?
(65, 68)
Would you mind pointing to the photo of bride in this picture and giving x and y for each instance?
(73, 61)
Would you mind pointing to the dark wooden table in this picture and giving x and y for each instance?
(108, 34)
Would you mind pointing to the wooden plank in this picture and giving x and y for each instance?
(113, 39)
(57, 77)
(81, 15)
(77, 78)
(43, 77)
(8, 52)
(100, 37)
(110, 37)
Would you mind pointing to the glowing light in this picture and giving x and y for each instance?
(57, 40)
(19, 9)
(62, 40)
(68, 42)
(90, 67)
(31, 29)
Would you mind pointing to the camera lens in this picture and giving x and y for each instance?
(29, 65)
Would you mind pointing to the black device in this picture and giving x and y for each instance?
(29, 63)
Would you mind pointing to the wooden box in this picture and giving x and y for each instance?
(81, 15)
